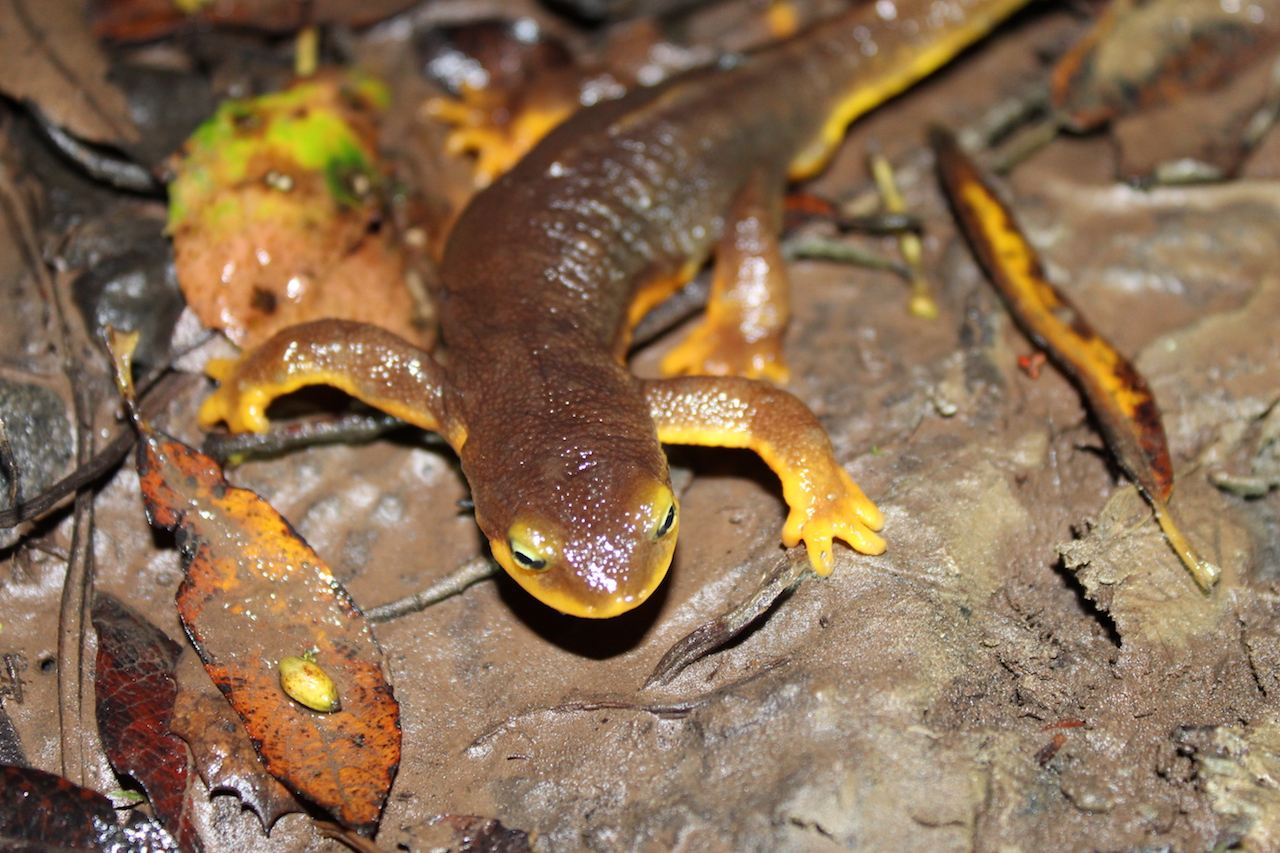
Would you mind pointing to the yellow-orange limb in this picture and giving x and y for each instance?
(731, 411)
(369, 363)
(747, 311)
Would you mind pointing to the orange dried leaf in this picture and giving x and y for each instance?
(255, 593)
(1116, 394)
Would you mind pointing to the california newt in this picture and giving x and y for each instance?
(548, 269)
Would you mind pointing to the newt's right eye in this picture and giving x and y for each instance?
(667, 523)
(525, 560)
(529, 549)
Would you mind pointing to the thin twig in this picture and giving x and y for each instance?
(80, 749)
(791, 568)
(471, 572)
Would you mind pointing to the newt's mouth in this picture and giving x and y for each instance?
(594, 566)
(604, 608)
(593, 590)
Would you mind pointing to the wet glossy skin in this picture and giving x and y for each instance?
(547, 270)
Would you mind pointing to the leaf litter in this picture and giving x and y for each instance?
(903, 702)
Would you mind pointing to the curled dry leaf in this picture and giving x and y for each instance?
(1116, 393)
(277, 215)
(134, 690)
(1140, 54)
(254, 593)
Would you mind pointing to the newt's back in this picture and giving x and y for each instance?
(625, 193)
(636, 190)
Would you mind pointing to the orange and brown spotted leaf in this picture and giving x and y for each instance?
(220, 747)
(255, 593)
(278, 215)
(1115, 392)
(1142, 53)
(134, 692)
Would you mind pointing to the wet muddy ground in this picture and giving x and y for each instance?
(1027, 668)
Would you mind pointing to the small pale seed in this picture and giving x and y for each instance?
(307, 684)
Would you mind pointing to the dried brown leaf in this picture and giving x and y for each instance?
(42, 812)
(51, 59)
(220, 746)
(134, 691)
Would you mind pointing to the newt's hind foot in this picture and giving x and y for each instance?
(710, 351)
(747, 311)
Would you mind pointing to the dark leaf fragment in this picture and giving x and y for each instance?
(43, 812)
(135, 693)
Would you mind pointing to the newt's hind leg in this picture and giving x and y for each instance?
(748, 309)
(735, 412)
(369, 363)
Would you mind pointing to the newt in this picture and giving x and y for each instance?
(549, 268)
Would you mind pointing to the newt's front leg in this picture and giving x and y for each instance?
(369, 363)
(734, 412)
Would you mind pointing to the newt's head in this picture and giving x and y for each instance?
(570, 483)
(590, 566)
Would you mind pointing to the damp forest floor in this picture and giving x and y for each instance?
(1027, 667)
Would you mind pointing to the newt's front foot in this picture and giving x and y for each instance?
(840, 511)
(243, 409)
(825, 503)
(369, 363)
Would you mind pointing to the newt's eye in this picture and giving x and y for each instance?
(527, 561)
(668, 522)
(530, 550)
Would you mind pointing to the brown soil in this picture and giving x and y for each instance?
(1028, 668)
